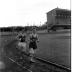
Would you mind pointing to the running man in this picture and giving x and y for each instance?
(22, 41)
(33, 43)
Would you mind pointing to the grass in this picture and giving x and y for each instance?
(55, 49)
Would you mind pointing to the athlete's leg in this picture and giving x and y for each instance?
(32, 54)
(24, 47)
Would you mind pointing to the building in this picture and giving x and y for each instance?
(58, 18)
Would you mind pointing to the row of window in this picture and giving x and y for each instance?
(62, 16)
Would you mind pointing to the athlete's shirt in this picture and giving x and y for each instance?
(22, 37)
(33, 37)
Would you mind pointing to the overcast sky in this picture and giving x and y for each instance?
(27, 12)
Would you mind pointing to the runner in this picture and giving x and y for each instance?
(22, 41)
(33, 43)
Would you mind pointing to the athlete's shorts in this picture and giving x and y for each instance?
(33, 45)
(22, 46)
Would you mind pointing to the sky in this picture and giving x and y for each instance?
(28, 12)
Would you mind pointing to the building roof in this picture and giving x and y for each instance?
(59, 9)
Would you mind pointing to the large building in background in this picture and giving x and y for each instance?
(58, 18)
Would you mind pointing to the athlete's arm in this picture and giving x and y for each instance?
(18, 37)
(37, 38)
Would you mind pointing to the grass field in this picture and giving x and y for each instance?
(54, 47)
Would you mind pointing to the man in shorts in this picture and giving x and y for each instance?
(22, 41)
(33, 43)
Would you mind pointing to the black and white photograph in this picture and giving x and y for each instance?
(35, 35)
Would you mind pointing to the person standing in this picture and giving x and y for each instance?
(33, 43)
